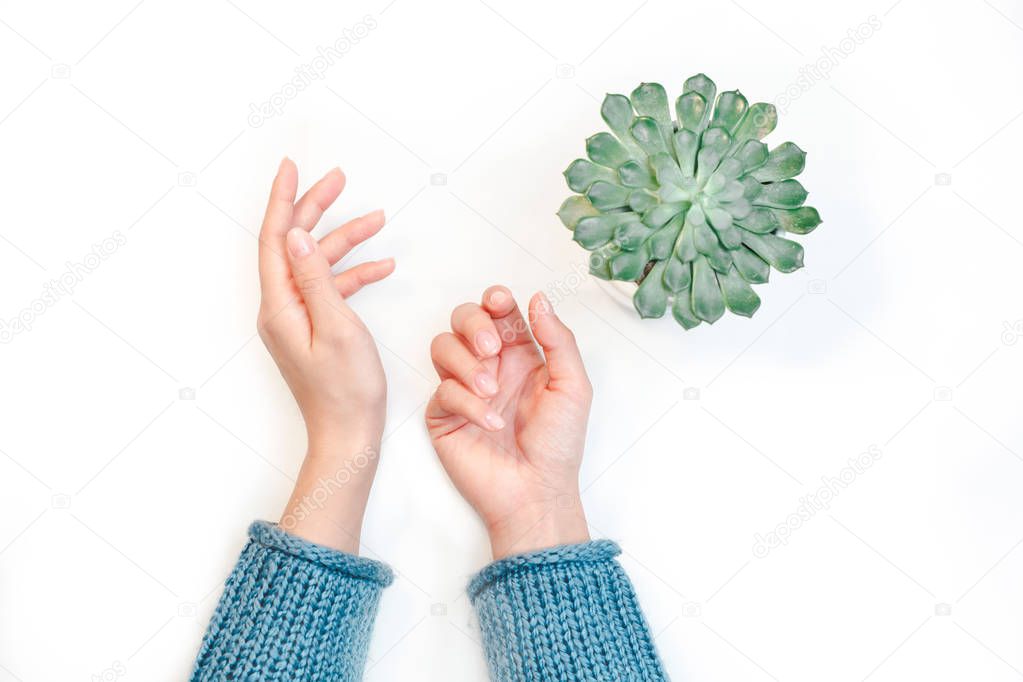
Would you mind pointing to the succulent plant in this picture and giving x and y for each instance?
(690, 209)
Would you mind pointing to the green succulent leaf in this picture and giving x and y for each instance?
(759, 121)
(677, 275)
(648, 136)
(662, 243)
(574, 208)
(802, 220)
(629, 265)
(631, 235)
(708, 245)
(751, 266)
(752, 154)
(721, 221)
(782, 254)
(600, 261)
(687, 144)
(666, 170)
(729, 110)
(785, 161)
(682, 309)
(636, 175)
(642, 200)
(715, 142)
(740, 208)
(685, 249)
(604, 149)
(784, 194)
(594, 231)
(708, 302)
(651, 298)
(738, 294)
(662, 213)
(751, 187)
(651, 100)
(706, 89)
(617, 113)
(691, 110)
(607, 195)
(760, 221)
(581, 173)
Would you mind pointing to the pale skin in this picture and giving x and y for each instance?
(508, 420)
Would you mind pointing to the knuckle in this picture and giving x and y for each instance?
(462, 312)
(437, 345)
(446, 391)
(310, 284)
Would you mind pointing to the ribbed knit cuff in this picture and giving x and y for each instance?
(292, 610)
(566, 613)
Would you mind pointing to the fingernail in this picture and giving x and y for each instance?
(498, 297)
(486, 383)
(487, 343)
(377, 214)
(300, 243)
(281, 164)
(494, 421)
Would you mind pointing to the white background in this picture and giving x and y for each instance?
(124, 506)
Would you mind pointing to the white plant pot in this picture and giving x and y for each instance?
(620, 292)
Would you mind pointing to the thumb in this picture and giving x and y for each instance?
(315, 281)
(564, 363)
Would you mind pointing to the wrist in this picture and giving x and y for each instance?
(328, 502)
(542, 525)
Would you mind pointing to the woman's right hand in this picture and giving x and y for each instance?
(509, 422)
(325, 353)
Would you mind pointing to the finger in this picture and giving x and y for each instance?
(452, 359)
(474, 324)
(454, 399)
(353, 279)
(318, 199)
(511, 327)
(338, 243)
(274, 272)
(327, 310)
(564, 362)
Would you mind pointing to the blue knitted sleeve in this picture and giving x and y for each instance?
(292, 610)
(566, 613)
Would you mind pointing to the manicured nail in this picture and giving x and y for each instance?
(300, 242)
(498, 298)
(494, 421)
(281, 165)
(377, 215)
(486, 383)
(487, 343)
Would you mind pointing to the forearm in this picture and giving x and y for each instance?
(565, 613)
(330, 495)
(292, 610)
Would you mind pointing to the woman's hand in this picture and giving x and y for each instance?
(510, 427)
(326, 354)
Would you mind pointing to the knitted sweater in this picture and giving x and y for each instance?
(292, 610)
